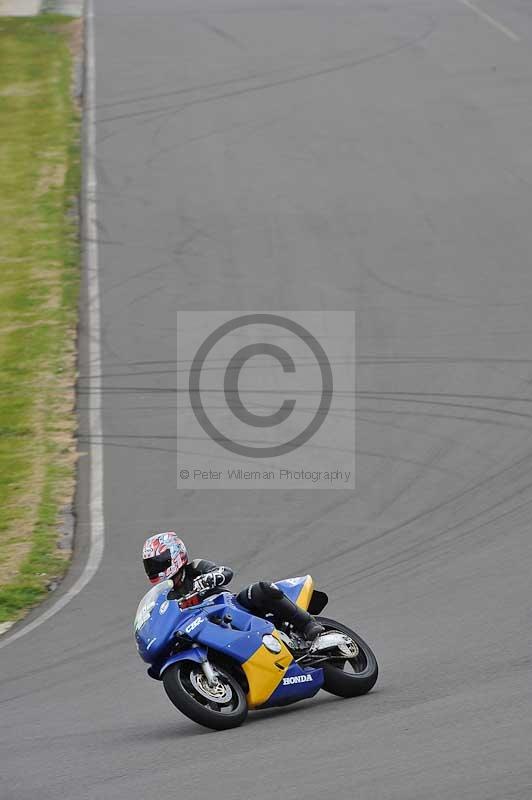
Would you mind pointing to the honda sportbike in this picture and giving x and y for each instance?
(216, 660)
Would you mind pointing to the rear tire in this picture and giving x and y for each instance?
(181, 682)
(363, 668)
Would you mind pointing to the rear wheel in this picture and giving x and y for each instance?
(353, 675)
(218, 706)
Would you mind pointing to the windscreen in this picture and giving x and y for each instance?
(148, 602)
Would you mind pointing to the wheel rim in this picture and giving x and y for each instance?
(352, 666)
(355, 664)
(221, 697)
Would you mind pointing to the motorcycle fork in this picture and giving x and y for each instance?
(209, 672)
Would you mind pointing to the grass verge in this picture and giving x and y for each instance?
(39, 281)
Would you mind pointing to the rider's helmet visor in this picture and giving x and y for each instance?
(157, 564)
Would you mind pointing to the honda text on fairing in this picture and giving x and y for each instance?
(217, 660)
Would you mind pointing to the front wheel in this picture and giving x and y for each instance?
(349, 676)
(219, 706)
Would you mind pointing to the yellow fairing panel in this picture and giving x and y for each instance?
(264, 671)
(305, 594)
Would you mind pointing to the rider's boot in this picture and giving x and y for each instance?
(312, 629)
(302, 622)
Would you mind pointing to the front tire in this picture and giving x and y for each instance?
(221, 707)
(349, 677)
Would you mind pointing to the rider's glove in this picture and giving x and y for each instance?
(208, 581)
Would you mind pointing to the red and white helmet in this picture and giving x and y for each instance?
(163, 555)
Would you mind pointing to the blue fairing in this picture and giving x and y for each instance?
(159, 620)
(166, 634)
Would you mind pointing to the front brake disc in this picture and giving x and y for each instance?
(218, 692)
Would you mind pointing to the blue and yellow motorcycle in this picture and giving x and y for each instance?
(217, 661)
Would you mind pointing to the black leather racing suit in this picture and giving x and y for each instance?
(260, 598)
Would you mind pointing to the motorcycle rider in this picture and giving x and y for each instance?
(165, 557)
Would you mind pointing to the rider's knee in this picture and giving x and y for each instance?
(244, 597)
(270, 590)
(259, 595)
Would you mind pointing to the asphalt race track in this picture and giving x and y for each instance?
(256, 154)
